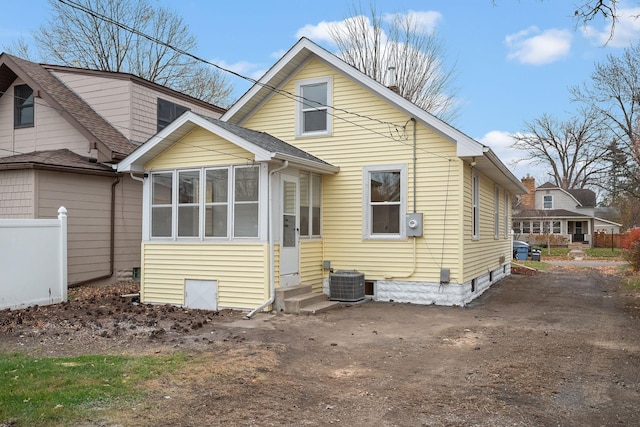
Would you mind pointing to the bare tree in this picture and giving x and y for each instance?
(614, 93)
(572, 150)
(399, 55)
(83, 33)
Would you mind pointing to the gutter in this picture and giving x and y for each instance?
(112, 242)
(272, 278)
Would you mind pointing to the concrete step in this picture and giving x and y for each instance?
(320, 307)
(295, 303)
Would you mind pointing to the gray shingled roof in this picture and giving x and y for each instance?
(547, 213)
(91, 124)
(58, 159)
(265, 141)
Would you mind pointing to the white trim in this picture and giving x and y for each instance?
(366, 202)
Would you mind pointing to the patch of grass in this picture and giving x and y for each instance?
(538, 265)
(603, 253)
(632, 282)
(43, 391)
(555, 252)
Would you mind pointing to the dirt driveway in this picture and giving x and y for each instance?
(561, 348)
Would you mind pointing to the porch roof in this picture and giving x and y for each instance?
(547, 214)
(264, 147)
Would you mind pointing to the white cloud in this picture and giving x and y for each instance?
(535, 47)
(626, 31)
(425, 21)
(500, 142)
(244, 68)
(320, 32)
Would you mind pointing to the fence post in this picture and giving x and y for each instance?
(62, 217)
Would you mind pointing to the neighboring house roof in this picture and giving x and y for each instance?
(59, 160)
(112, 144)
(548, 214)
(117, 75)
(264, 146)
(584, 196)
(468, 149)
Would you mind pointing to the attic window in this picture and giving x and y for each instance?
(23, 106)
(168, 112)
(548, 202)
(313, 116)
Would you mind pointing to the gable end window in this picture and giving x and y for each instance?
(548, 202)
(168, 112)
(23, 111)
(384, 201)
(314, 99)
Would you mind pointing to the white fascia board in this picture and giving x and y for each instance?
(491, 156)
(309, 165)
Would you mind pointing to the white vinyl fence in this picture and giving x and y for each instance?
(33, 261)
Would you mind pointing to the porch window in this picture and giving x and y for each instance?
(475, 205)
(245, 220)
(548, 202)
(555, 229)
(23, 106)
(314, 98)
(385, 201)
(188, 203)
(310, 203)
(216, 203)
(517, 227)
(161, 204)
(536, 227)
(205, 203)
(526, 227)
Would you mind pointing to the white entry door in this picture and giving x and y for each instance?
(290, 232)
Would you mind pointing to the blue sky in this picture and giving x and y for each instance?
(515, 59)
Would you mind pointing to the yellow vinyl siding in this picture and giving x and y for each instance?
(483, 255)
(357, 141)
(311, 263)
(241, 271)
(199, 148)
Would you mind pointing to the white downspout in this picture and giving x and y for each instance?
(272, 278)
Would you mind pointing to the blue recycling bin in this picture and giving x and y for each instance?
(522, 253)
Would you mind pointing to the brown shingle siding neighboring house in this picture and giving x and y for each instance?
(80, 124)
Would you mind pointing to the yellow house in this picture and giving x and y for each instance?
(319, 172)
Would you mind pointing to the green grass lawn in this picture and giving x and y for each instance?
(43, 391)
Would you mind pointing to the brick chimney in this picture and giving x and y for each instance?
(529, 200)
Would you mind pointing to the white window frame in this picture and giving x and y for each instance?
(147, 208)
(544, 201)
(367, 233)
(475, 205)
(506, 214)
(301, 108)
(496, 212)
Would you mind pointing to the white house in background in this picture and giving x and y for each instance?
(61, 131)
(566, 216)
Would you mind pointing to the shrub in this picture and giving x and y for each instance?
(631, 248)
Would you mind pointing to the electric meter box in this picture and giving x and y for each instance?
(414, 225)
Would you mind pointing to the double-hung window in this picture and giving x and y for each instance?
(548, 202)
(23, 111)
(205, 203)
(310, 201)
(314, 100)
(475, 205)
(496, 213)
(385, 201)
